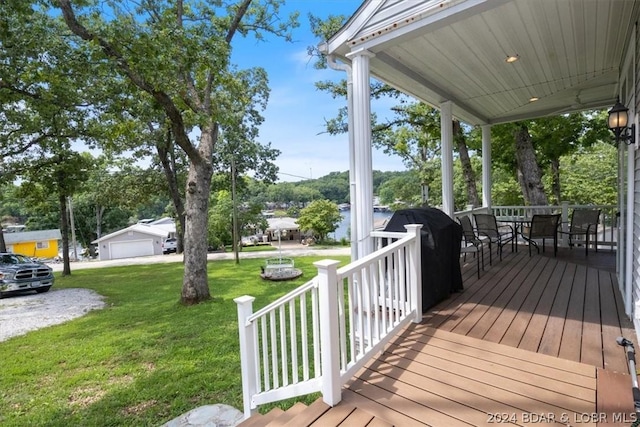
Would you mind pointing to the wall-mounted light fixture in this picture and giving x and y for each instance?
(618, 120)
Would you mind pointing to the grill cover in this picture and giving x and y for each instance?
(441, 238)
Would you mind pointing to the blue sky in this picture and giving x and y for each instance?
(296, 111)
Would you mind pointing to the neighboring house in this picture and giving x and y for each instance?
(40, 243)
(287, 226)
(167, 224)
(134, 241)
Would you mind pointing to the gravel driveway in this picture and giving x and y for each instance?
(23, 313)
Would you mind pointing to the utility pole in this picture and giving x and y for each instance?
(73, 228)
(235, 211)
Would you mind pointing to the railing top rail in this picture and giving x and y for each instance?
(313, 283)
(571, 206)
(375, 256)
(389, 234)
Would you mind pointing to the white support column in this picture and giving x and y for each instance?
(446, 138)
(331, 386)
(363, 174)
(487, 180)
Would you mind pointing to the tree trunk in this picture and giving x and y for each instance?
(467, 169)
(64, 230)
(168, 161)
(529, 174)
(195, 287)
(3, 245)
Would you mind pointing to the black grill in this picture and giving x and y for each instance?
(32, 273)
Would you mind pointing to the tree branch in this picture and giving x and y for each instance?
(162, 98)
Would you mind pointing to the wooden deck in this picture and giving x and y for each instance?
(561, 307)
(532, 342)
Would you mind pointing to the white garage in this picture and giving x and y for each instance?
(131, 249)
(134, 241)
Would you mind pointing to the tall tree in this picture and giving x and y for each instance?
(468, 173)
(177, 54)
(562, 135)
(529, 173)
(43, 108)
(321, 217)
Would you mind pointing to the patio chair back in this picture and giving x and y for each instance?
(471, 242)
(544, 227)
(584, 224)
(583, 220)
(487, 226)
(468, 233)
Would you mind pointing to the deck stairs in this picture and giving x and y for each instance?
(316, 414)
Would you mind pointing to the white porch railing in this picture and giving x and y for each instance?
(607, 227)
(315, 338)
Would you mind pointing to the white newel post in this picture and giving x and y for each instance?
(415, 267)
(564, 225)
(329, 334)
(247, 352)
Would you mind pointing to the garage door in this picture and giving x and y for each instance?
(131, 249)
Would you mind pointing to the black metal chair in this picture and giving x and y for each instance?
(584, 223)
(471, 242)
(487, 226)
(544, 227)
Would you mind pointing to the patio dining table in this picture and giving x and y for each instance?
(517, 222)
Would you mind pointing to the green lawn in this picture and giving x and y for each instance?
(143, 360)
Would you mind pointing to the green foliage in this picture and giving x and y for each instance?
(321, 217)
(293, 211)
(505, 190)
(589, 176)
(221, 216)
(220, 219)
(401, 191)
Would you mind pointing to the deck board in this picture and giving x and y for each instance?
(518, 327)
(533, 335)
(592, 328)
(571, 342)
(435, 377)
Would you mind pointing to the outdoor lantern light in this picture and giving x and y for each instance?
(618, 119)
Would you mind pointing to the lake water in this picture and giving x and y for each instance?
(344, 227)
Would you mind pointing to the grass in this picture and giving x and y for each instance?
(143, 360)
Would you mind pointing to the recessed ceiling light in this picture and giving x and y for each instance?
(533, 99)
(512, 58)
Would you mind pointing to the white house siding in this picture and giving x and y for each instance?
(635, 223)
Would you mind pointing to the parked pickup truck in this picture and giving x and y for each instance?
(170, 245)
(21, 273)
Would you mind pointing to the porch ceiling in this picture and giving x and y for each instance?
(570, 53)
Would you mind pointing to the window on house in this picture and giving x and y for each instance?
(42, 245)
